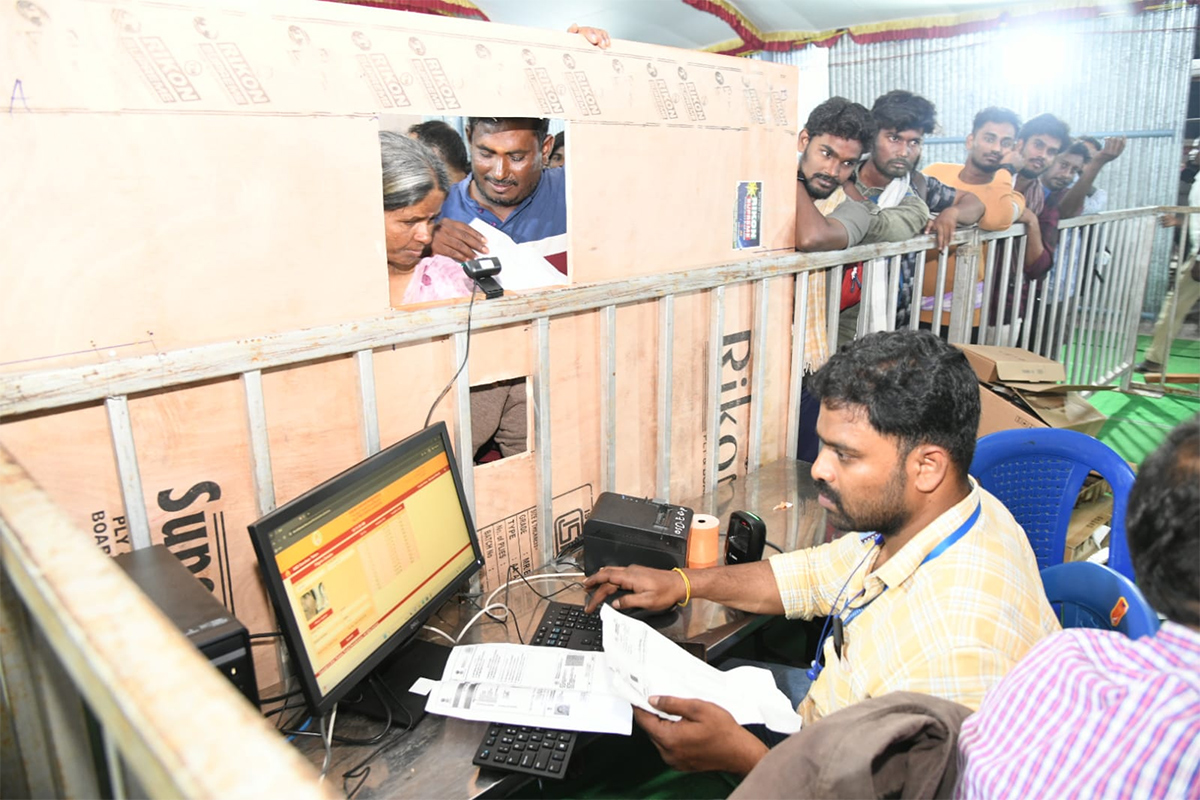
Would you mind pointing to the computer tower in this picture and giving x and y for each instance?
(199, 616)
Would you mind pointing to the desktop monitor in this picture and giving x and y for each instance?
(357, 565)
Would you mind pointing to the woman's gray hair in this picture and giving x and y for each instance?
(410, 171)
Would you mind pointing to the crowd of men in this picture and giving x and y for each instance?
(859, 181)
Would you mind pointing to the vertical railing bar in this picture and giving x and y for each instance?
(260, 444)
(1088, 311)
(1110, 295)
(715, 337)
(464, 439)
(1173, 292)
(1129, 247)
(833, 304)
(1124, 327)
(1002, 291)
(1138, 278)
(893, 298)
(121, 429)
(799, 333)
(987, 331)
(541, 412)
(1100, 361)
(608, 399)
(758, 363)
(365, 361)
(116, 772)
(1075, 300)
(666, 383)
(1052, 288)
(962, 311)
(939, 289)
(918, 292)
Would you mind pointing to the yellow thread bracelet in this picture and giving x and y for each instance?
(686, 585)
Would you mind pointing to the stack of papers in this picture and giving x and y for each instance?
(596, 692)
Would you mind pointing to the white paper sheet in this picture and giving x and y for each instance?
(646, 663)
(521, 267)
(524, 685)
(582, 691)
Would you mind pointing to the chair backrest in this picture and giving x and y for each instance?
(1087, 595)
(1038, 472)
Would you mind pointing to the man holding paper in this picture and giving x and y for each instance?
(510, 189)
(936, 591)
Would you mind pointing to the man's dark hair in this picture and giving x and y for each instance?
(899, 110)
(996, 114)
(444, 141)
(539, 126)
(560, 140)
(1045, 125)
(914, 387)
(842, 118)
(1162, 525)
(1093, 141)
(1078, 148)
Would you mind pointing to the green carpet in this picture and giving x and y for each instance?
(1138, 423)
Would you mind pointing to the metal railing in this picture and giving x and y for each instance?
(65, 594)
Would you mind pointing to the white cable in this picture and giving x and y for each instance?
(475, 618)
(439, 632)
(523, 579)
(327, 735)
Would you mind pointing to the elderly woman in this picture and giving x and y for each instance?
(414, 186)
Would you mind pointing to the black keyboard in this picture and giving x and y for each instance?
(520, 748)
(567, 626)
(543, 752)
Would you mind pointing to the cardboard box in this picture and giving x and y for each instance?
(1011, 364)
(1087, 532)
(1020, 389)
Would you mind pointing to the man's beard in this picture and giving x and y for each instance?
(817, 193)
(896, 168)
(885, 515)
(482, 186)
(984, 167)
(1028, 174)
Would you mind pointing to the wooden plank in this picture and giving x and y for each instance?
(71, 589)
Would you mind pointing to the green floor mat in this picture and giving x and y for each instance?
(1139, 423)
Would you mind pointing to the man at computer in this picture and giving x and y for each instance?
(936, 591)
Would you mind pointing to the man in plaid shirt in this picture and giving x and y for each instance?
(937, 591)
(1091, 713)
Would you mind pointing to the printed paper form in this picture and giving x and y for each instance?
(525, 685)
(574, 690)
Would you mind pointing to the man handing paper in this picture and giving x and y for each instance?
(510, 189)
(937, 591)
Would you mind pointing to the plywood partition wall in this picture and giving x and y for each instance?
(182, 173)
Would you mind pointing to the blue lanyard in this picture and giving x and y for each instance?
(942, 546)
(839, 624)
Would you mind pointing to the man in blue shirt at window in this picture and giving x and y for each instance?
(509, 188)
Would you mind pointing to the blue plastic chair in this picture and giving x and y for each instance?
(1038, 472)
(1087, 595)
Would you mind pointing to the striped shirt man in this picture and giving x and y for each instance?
(1091, 714)
(952, 625)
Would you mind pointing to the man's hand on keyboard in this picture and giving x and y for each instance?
(653, 589)
(706, 738)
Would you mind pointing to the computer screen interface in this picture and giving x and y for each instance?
(355, 566)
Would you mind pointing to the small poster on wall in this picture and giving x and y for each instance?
(747, 228)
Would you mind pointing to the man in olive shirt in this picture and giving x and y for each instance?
(827, 218)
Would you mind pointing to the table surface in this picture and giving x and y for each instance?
(434, 759)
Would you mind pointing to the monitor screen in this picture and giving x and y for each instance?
(355, 566)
